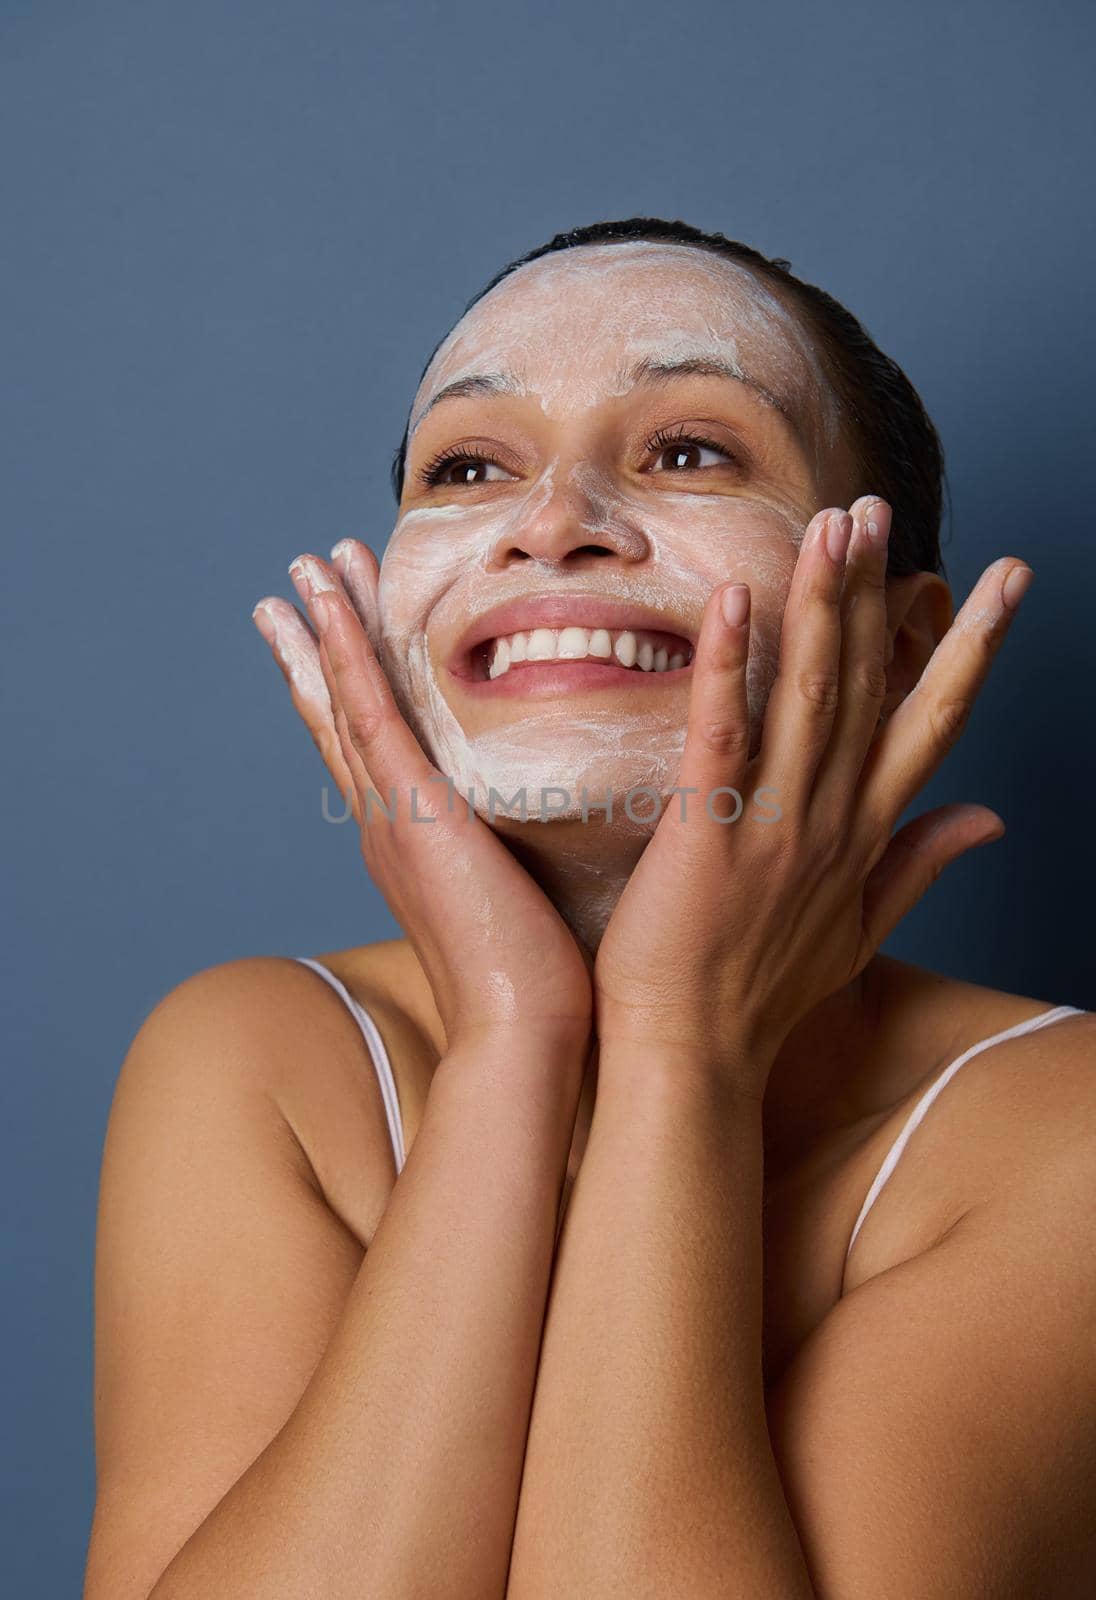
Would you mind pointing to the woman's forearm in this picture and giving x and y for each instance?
(648, 1468)
(397, 1474)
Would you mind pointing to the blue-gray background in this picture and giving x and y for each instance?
(232, 234)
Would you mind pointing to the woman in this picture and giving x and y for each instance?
(627, 758)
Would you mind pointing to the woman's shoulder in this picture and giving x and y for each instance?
(1039, 1074)
(385, 979)
(960, 1019)
(1012, 1066)
(387, 976)
(1003, 1096)
(274, 1020)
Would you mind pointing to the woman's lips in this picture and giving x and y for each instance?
(582, 612)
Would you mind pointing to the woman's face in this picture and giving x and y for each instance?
(575, 497)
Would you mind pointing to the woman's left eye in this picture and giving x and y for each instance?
(681, 447)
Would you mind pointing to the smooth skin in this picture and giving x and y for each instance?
(725, 937)
(527, 1430)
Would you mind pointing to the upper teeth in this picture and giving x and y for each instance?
(630, 647)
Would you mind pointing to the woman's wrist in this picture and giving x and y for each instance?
(736, 1066)
(523, 1040)
(526, 1060)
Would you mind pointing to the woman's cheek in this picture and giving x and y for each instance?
(418, 569)
(433, 563)
(707, 540)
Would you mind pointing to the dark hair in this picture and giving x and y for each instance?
(895, 447)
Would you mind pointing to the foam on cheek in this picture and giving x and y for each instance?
(434, 557)
(698, 541)
(436, 552)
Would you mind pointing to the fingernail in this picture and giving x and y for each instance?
(264, 622)
(309, 577)
(1015, 586)
(878, 522)
(990, 838)
(838, 533)
(342, 548)
(735, 603)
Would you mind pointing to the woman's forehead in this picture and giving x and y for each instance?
(569, 329)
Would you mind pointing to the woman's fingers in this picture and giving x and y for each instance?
(931, 718)
(717, 736)
(915, 858)
(355, 593)
(863, 670)
(803, 701)
(376, 732)
(357, 566)
(311, 577)
(297, 653)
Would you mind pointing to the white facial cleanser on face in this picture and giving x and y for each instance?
(568, 329)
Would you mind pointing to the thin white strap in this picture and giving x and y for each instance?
(379, 1054)
(1029, 1026)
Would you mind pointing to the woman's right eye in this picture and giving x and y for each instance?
(438, 472)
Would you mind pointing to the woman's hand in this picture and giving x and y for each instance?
(496, 952)
(729, 932)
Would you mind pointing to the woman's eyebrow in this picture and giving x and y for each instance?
(460, 388)
(646, 371)
(651, 370)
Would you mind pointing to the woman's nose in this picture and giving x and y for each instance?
(571, 523)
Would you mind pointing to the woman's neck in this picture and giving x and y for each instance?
(582, 867)
(827, 1077)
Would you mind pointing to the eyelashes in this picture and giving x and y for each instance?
(431, 473)
(678, 438)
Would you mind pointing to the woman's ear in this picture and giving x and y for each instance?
(919, 613)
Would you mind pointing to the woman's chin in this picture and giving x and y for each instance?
(593, 847)
(625, 798)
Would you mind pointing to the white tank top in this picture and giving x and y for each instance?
(383, 1069)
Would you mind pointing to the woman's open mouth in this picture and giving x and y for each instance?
(560, 654)
(553, 660)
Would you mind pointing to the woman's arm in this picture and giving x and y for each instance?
(934, 1437)
(275, 1420)
(649, 1468)
(398, 1471)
